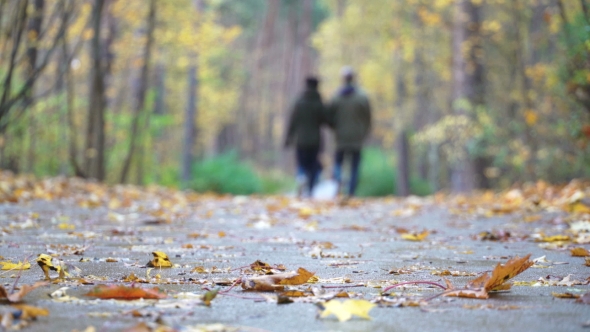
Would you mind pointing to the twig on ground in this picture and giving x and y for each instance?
(414, 283)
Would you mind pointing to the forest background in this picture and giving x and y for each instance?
(195, 93)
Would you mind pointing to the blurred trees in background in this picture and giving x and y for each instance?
(488, 92)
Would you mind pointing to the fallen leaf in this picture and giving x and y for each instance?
(125, 293)
(276, 282)
(579, 252)
(565, 295)
(480, 286)
(15, 266)
(209, 296)
(555, 238)
(300, 278)
(46, 264)
(160, 260)
(415, 237)
(344, 310)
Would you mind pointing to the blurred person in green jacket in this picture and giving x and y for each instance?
(349, 115)
(303, 131)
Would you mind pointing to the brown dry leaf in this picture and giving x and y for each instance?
(565, 295)
(276, 282)
(260, 266)
(302, 277)
(160, 260)
(579, 252)
(415, 236)
(480, 286)
(587, 261)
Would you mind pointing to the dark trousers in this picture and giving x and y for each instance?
(307, 159)
(355, 159)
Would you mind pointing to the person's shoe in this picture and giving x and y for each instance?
(300, 185)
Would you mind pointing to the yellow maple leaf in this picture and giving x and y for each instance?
(8, 265)
(160, 260)
(415, 237)
(346, 309)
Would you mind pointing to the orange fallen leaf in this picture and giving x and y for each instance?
(480, 286)
(579, 252)
(300, 278)
(125, 293)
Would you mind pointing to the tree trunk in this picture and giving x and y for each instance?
(467, 82)
(190, 130)
(141, 90)
(33, 31)
(95, 135)
(403, 165)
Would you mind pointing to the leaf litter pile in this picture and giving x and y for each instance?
(158, 259)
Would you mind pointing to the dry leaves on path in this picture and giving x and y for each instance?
(480, 287)
(125, 293)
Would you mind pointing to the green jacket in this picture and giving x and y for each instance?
(307, 117)
(349, 114)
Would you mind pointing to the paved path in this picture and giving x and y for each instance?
(359, 243)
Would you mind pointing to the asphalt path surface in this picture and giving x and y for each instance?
(356, 244)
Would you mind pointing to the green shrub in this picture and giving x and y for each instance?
(378, 176)
(277, 182)
(225, 174)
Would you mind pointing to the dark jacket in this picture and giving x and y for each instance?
(349, 114)
(307, 117)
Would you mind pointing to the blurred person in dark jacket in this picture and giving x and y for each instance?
(304, 131)
(349, 115)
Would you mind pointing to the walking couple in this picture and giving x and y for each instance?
(348, 114)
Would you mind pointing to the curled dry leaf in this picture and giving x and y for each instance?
(125, 293)
(160, 260)
(46, 263)
(480, 286)
(276, 282)
(579, 252)
(18, 295)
